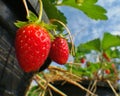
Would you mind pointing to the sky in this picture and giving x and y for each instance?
(84, 28)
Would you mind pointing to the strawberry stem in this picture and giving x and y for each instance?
(40, 12)
(26, 7)
(72, 49)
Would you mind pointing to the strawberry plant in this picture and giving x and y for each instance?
(33, 41)
(93, 60)
(96, 66)
(102, 51)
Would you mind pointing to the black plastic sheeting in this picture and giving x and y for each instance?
(102, 89)
(13, 81)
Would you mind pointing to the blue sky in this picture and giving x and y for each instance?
(83, 28)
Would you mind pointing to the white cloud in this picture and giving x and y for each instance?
(113, 12)
(116, 32)
(106, 3)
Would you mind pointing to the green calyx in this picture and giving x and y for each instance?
(34, 19)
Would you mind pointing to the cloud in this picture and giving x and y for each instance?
(116, 32)
(106, 3)
(113, 12)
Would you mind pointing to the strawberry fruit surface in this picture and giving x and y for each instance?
(32, 46)
(59, 51)
(82, 60)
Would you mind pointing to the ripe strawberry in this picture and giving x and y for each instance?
(114, 68)
(106, 57)
(113, 65)
(82, 60)
(32, 45)
(59, 51)
(107, 71)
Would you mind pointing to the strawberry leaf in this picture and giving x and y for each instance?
(79, 1)
(53, 13)
(92, 45)
(89, 7)
(110, 40)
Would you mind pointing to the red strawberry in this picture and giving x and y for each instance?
(59, 51)
(82, 60)
(32, 46)
(106, 57)
(107, 71)
(114, 68)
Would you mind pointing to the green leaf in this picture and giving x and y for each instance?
(53, 13)
(77, 70)
(110, 40)
(94, 11)
(92, 45)
(79, 53)
(94, 67)
(89, 7)
(34, 91)
(79, 1)
(113, 53)
(20, 23)
(32, 17)
(90, 1)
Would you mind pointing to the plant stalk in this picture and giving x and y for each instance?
(40, 12)
(26, 7)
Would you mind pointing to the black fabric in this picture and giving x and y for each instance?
(13, 81)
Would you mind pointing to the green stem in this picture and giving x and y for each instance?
(40, 12)
(26, 7)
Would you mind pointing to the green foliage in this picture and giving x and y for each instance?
(79, 53)
(53, 13)
(89, 7)
(87, 71)
(110, 40)
(32, 17)
(34, 91)
(92, 45)
(107, 42)
(113, 53)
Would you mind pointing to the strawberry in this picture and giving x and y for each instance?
(32, 45)
(106, 57)
(32, 42)
(82, 60)
(59, 51)
(107, 71)
(114, 68)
